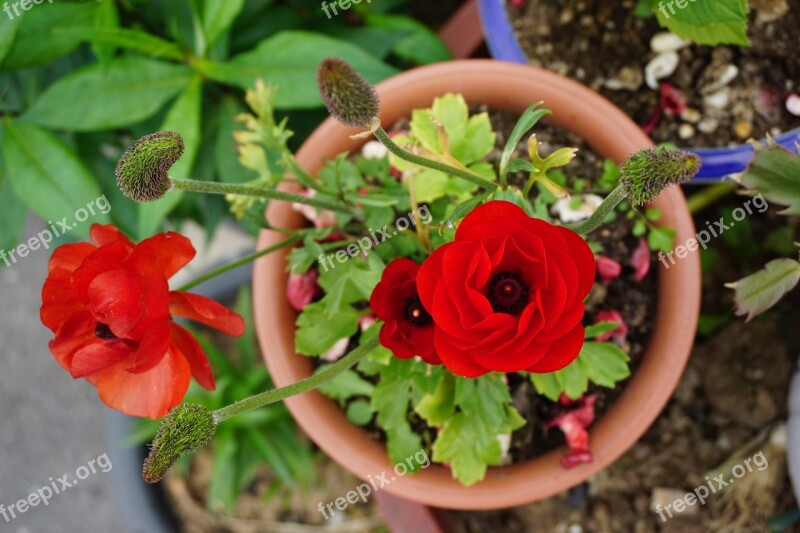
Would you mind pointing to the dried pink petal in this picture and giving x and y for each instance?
(640, 260)
(608, 269)
(620, 333)
(302, 289)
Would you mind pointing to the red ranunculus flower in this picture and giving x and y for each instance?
(507, 294)
(110, 308)
(408, 328)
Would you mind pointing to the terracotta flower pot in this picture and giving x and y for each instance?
(612, 134)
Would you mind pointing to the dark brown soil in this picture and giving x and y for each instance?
(595, 41)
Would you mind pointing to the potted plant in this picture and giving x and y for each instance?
(712, 95)
(523, 280)
(575, 108)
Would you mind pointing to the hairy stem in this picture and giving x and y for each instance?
(405, 155)
(239, 262)
(602, 211)
(212, 187)
(310, 383)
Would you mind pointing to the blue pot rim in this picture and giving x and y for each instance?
(718, 163)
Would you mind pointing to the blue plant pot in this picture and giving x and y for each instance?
(717, 162)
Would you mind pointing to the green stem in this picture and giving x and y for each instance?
(384, 138)
(310, 383)
(707, 196)
(213, 187)
(602, 211)
(239, 262)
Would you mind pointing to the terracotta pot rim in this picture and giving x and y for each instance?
(610, 133)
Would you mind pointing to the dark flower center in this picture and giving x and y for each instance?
(415, 313)
(102, 331)
(508, 293)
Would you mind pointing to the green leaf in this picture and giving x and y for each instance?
(438, 407)
(601, 363)
(185, 118)
(760, 291)
(105, 18)
(289, 60)
(12, 214)
(598, 329)
(390, 400)
(222, 492)
(528, 120)
(604, 363)
(775, 173)
(346, 385)
(711, 23)
(468, 439)
(8, 34)
(127, 91)
(360, 413)
(38, 40)
(135, 40)
(467, 444)
(420, 45)
(548, 385)
(47, 176)
(661, 238)
(218, 17)
(317, 333)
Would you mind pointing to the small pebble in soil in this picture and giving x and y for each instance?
(686, 131)
(629, 78)
(743, 130)
(667, 42)
(660, 67)
(662, 497)
(708, 125)
(692, 115)
(718, 99)
(793, 104)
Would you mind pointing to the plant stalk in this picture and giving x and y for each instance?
(310, 383)
(239, 262)
(212, 187)
(384, 138)
(609, 204)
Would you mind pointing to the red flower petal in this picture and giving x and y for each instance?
(206, 311)
(114, 299)
(562, 353)
(155, 344)
(96, 357)
(165, 254)
(149, 394)
(107, 234)
(194, 354)
(73, 334)
(70, 256)
(103, 259)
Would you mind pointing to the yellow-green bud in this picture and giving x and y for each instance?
(185, 429)
(142, 171)
(348, 97)
(648, 172)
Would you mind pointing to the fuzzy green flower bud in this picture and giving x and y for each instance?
(142, 170)
(348, 96)
(185, 429)
(648, 172)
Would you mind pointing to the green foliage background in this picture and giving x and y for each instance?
(79, 80)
